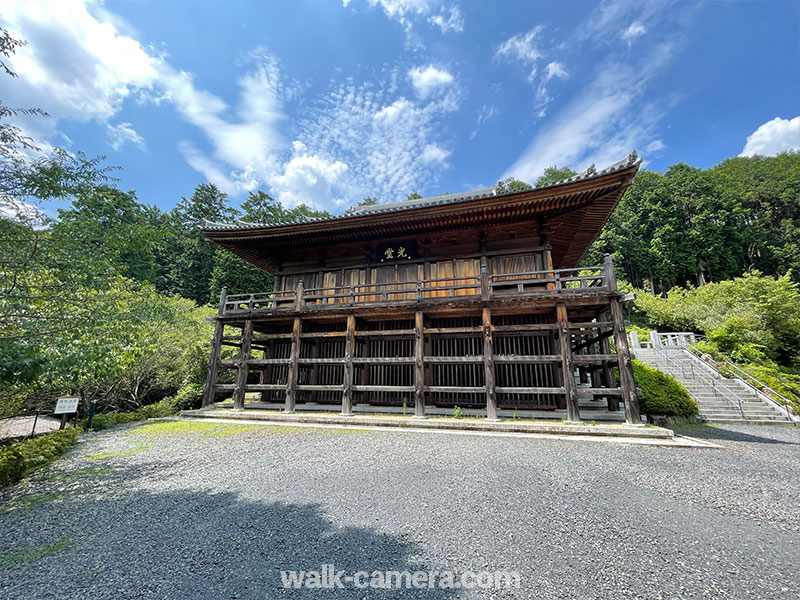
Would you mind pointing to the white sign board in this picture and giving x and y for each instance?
(67, 405)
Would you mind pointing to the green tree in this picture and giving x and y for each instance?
(553, 175)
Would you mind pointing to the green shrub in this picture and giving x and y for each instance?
(164, 408)
(22, 458)
(189, 396)
(458, 412)
(661, 393)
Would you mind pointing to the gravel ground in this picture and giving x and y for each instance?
(203, 510)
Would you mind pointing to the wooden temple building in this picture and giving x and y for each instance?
(473, 300)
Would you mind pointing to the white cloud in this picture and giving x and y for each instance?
(311, 179)
(485, 114)
(389, 143)
(773, 137)
(523, 48)
(602, 123)
(453, 22)
(655, 146)
(427, 80)
(74, 66)
(433, 154)
(555, 69)
(122, 134)
(634, 30)
(401, 10)
(79, 66)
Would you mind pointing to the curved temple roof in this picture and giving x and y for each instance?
(577, 207)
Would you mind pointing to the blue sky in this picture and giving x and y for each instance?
(326, 102)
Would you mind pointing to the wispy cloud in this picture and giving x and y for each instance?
(527, 50)
(633, 31)
(486, 113)
(124, 133)
(774, 137)
(451, 22)
(523, 48)
(614, 111)
(405, 12)
(603, 122)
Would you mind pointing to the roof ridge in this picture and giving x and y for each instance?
(500, 189)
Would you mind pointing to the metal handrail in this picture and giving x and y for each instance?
(706, 379)
(747, 379)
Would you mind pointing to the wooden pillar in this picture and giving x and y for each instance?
(347, 386)
(567, 366)
(547, 254)
(608, 374)
(216, 348)
(484, 279)
(631, 402)
(419, 366)
(291, 379)
(266, 372)
(488, 366)
(243, 370)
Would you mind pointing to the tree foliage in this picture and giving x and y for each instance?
(553, 175)
(692, 226)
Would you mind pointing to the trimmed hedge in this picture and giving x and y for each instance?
(661, 393)
(165, 408)
(22, 458)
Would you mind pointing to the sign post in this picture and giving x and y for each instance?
(66, 405)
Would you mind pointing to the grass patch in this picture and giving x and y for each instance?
(122, 453)
(30, 554)
(344, 431)
(203, 429)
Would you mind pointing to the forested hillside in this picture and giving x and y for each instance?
(689, 226)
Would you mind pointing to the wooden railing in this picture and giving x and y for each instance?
(588, 280)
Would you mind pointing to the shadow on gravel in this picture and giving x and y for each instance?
(193, 544)
(718, 432)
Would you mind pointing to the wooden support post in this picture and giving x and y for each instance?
(611, 276)
(488, 366)
(347, 387)
(632, 414)
(609, 380)
(567, 366)
(294, 354)
(547, 254)
(216, 347)
(419, 367)
(484, 279)
(243, 370)
(299, 293)
(266, 374)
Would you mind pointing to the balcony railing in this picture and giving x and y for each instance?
(527, 284)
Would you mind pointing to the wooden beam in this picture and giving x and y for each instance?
(609, 380)
(349, 345)
(419, 366)
(631, 402)
(291, 379)
(488, 366)
(567, 366)
(528, 359)
(243, 369)
(213, 359)
(592, 341)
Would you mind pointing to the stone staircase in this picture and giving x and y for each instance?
(722, 406)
